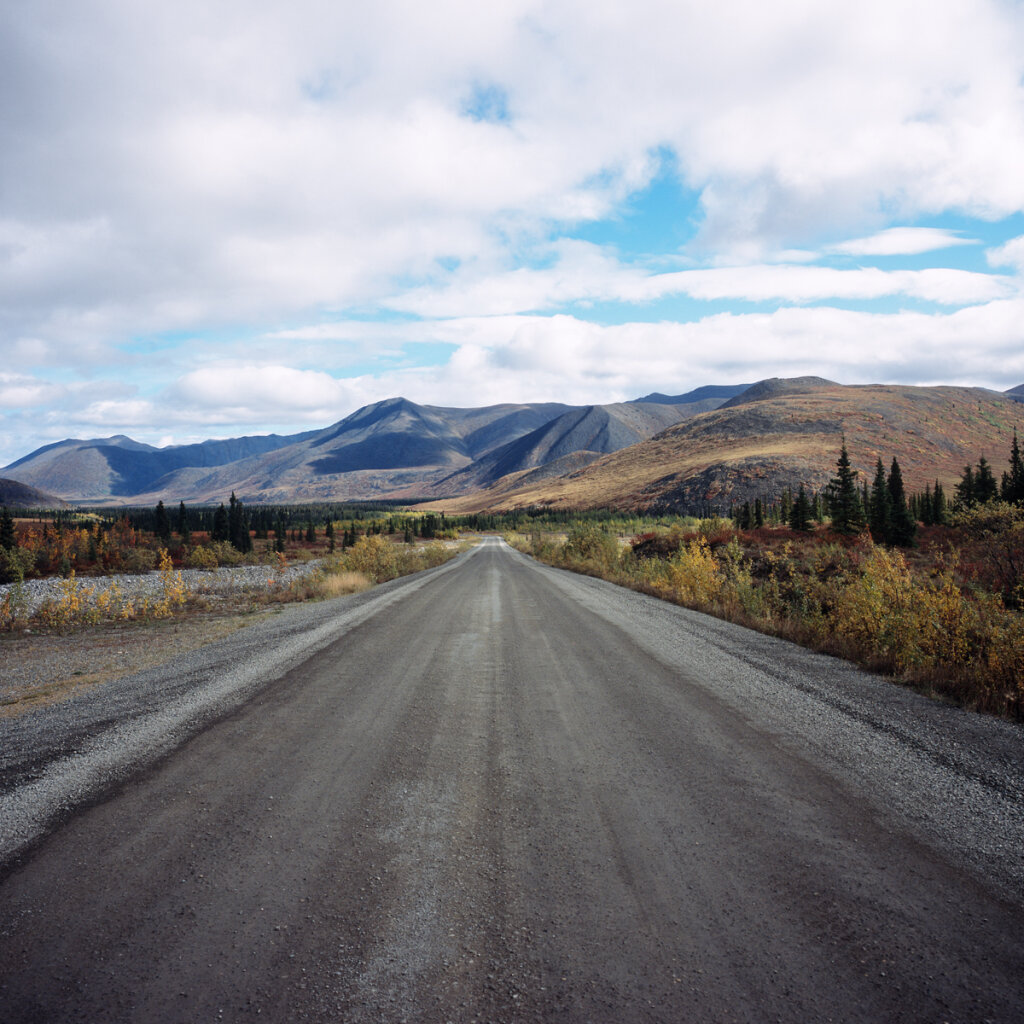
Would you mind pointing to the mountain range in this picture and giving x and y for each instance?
(391, 449)
(690, 452)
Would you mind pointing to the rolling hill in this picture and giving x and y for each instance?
(15, 495)
(777, 434)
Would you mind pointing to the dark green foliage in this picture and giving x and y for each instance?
(880, 509)
(800, 514)
(310, 532)
(1013, 482)
(844, 497)
(966, 493)
(985, 487)
(184, 530)
(220, 529)
(329, 534)
(758, 513)
(161, 523)
(8, 541)
(786, 506)
(902, 526)
(238, 526)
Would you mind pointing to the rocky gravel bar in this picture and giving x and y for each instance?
(226, 580)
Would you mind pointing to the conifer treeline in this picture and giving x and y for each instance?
(884, 507)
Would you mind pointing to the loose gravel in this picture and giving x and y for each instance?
(227, 580)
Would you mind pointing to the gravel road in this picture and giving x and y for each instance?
(497, 791)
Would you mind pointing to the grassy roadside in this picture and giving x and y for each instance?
(918, 620)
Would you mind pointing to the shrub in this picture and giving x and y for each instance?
(375, 557)
(589, 545)
(202, 557)
(693, 574)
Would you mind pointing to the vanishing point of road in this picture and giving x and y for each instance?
(500, 792)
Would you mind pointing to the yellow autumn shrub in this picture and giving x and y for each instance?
(693, 574)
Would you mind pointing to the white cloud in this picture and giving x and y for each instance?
(20, 392)
(583, 273)
(252, 392)
(220, 164)
(901, 242)
(1009, 255)
(123, 414)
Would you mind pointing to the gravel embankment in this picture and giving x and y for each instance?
(136, 587)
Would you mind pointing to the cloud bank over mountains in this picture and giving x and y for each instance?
(257, 218)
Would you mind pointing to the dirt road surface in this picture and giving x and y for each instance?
(499, 792)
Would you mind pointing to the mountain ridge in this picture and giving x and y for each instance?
(708, 447)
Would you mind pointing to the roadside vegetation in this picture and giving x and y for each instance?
(344, 549)
(937, 605)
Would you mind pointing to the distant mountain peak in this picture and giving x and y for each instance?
(701, 394)
(774, 387)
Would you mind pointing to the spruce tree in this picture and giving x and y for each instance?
(800, 513)
(758, 513)
(1013, 482)
(786, 510)
(966, 495)
(985, 487)
(183, 528)
(310, 532)
(938, 505)
(880, 507)
(220, 529)
(238, 526)
(161, 523)
(8, 540)
(844, 497)
(926, 509)
(329, 534)
(903, 526)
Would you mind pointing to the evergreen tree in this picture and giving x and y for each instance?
(310, 532)
(903, 526)
(220, 530)
(329, 534)
(800, 513)
(8, 540)
(746, 516)
(966, 494)
(183, 528)
(880, 508)
(161, 523)
(758, 513)
(925, 508)
(938, 505)
(985, 487)
(786, 511)
(238, 526)
(1013, 482)
(818, 507)
(280, 532)
(844, 497)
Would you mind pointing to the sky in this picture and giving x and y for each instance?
(242, 217)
